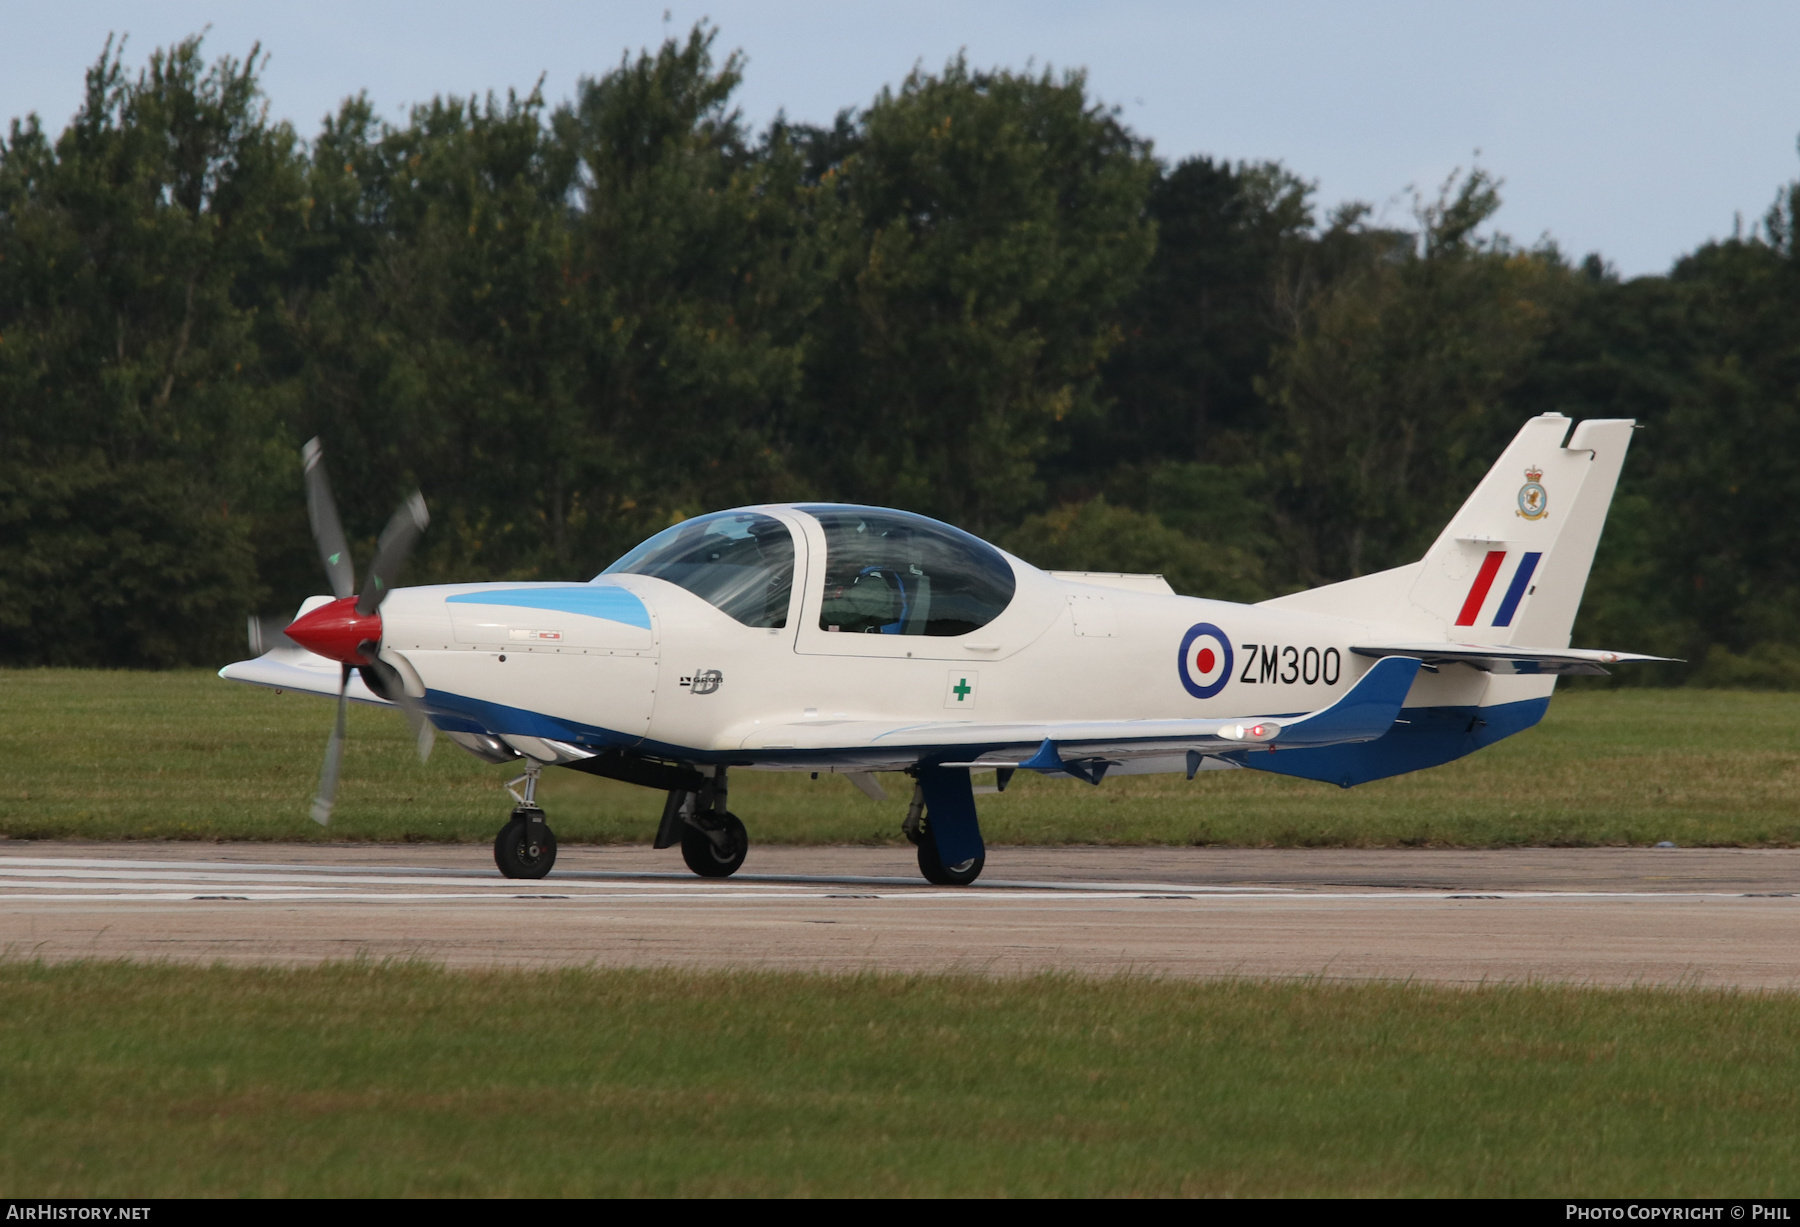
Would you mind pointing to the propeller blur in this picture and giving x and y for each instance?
(348, 629)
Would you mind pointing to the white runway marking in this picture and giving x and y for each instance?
(92, 880)
(1600, 916)
(399, 874)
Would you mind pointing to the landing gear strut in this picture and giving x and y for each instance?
(525, 847)
(713, 840)
(917, 828)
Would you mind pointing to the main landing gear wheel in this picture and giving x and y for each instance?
(717, 852)
(525, 847)
(936, 872)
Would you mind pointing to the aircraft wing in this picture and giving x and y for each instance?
(1366, 712)
(1496, 658)
(297, 669)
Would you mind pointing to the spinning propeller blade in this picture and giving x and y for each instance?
(328, 531)
(353, 638)
(266, 634)
(334, 757)
(388, 683)
(403, 531)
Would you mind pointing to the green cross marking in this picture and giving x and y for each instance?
(961, 690)
(334, 559)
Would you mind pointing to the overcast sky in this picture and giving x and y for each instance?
(1637, 130)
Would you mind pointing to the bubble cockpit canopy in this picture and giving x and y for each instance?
(896, 573)
(740, 562)
(886, 572)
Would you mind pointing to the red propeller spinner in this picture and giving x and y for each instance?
(338, 632)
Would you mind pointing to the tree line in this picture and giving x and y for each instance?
(980, 296)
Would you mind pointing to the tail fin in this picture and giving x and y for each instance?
(1511, 565)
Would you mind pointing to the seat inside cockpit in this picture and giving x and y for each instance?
(895, 573)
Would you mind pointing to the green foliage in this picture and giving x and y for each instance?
(1198, 328)
(1767, 666)
(579, 322)
(1095, 536)
(1000, 223)
(1702, 553)
(137, 254)
(123, 563)
(979, 297)
(1389, 392)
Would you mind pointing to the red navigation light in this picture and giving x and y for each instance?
(337, 632)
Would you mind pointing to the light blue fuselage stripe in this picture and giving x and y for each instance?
(1516, 592)
(590, 600)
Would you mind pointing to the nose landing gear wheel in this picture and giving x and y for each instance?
(717, 853)
(936, 872)
(525, 847)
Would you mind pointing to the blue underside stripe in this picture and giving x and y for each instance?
(459, 713)
(589, 600)
(1516, 593)
(1428, 737)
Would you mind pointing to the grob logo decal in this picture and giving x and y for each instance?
(704, 681)
(1205, 663)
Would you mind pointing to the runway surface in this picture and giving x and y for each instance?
(1601, 916)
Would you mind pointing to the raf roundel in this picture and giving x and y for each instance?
(1205, 663)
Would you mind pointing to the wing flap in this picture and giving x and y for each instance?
(1143, 736)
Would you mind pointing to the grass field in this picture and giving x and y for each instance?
(135, 1081)
(183, 755)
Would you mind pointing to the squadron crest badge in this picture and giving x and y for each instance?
(1534, 501)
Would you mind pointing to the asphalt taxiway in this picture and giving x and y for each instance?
(1720, 917)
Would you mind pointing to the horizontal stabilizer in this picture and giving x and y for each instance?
(1494, 658)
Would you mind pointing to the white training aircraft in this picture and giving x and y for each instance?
(846, 639)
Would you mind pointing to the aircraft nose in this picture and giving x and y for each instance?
(337, 632)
